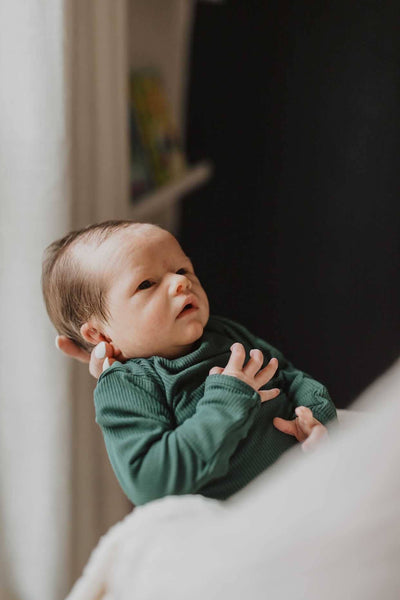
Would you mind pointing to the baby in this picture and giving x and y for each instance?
(174, 419)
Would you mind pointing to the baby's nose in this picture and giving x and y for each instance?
(180, 284)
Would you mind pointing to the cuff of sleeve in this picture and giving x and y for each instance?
(325, 410)
(239, 391)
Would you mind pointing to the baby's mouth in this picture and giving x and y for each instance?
(188, 308)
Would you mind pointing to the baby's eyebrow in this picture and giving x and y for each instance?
(134, 279)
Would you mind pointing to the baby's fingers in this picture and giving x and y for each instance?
(306, 421)
(285, 426)
(255, 362)
(269, 394)
(237, 357)
(267, 373)
(215, 371)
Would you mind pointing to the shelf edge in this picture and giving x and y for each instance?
(151, 204)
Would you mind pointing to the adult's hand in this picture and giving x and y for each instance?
(102, 356)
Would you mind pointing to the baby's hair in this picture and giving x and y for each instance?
(71, 293)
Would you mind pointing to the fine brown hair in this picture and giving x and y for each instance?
(71, 294)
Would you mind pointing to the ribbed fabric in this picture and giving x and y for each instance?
(170, 428)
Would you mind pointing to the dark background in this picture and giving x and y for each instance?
(297, 235)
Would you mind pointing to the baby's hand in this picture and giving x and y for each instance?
(304, 427)
(102, 356)
(251, 373)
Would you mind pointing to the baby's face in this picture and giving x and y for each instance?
(157, 305)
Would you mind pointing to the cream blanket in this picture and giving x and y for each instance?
(321, 525)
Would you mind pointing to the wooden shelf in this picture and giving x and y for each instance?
(151, 204)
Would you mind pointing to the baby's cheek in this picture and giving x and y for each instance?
(154, 323)
(159, 324)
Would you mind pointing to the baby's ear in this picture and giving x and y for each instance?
(92, 335)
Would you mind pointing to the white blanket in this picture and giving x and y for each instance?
(316, 526)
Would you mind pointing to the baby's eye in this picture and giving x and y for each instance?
(182, 272)
(145, 284)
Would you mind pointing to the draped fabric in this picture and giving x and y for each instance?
(57, 491)
(35, 414)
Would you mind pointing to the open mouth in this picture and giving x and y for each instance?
(187, 309)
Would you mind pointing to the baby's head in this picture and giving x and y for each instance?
(126, 283)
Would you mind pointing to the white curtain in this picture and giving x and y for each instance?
(57, 491)
(34, 423)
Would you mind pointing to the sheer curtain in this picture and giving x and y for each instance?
(57, 493)
(35, 419)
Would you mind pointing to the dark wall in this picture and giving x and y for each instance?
(297, 236)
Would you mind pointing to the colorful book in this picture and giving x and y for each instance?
(156, 150)
(141, 180)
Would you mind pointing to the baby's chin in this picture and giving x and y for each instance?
(184, 344)
(180, 350)
(169, 353)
